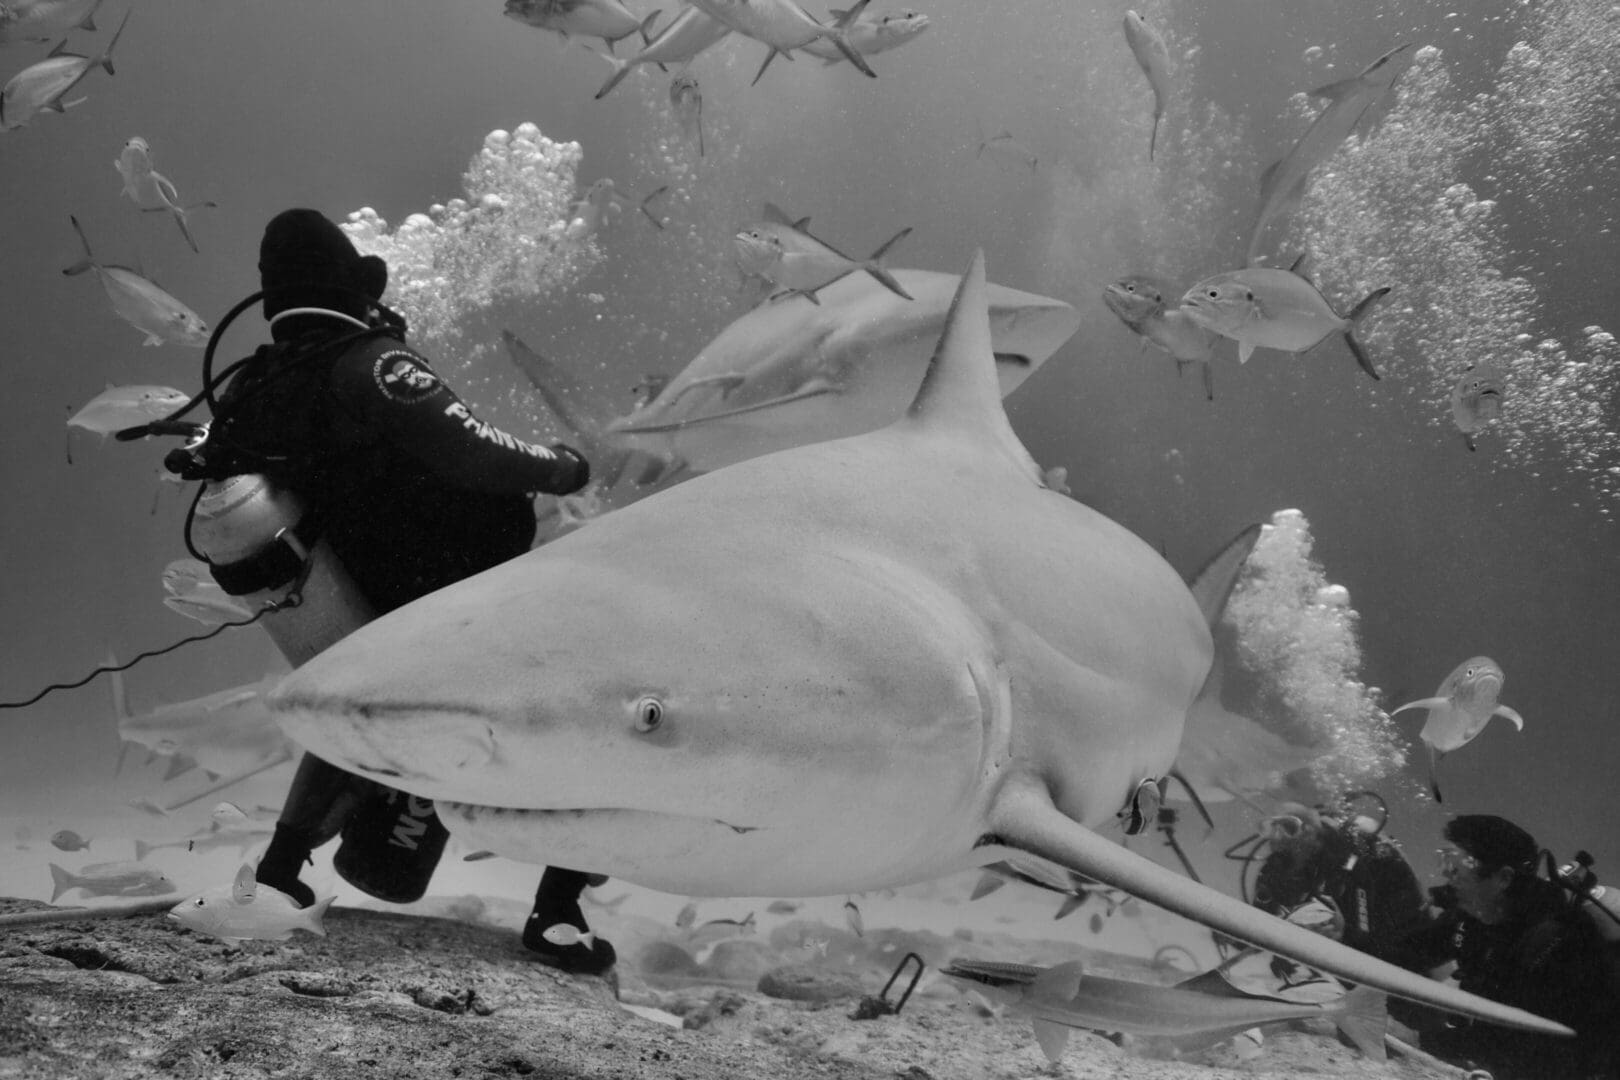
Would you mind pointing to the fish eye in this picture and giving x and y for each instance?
(1214, 294)
(1248, 295)
(200, 902)
(649, 714)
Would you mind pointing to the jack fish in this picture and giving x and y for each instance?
(1278, 309)
(41, 20)
(1347, 102)
(685, 36)
(1142, 303)
(812, 673)
(607, 19)
(1476, 400)
(120, 407)
(1460, 709)
(151, 190)
(785, 253)
(1153, 56)
(871, 35)
(45, 85)
(141, 303)
(784, 26)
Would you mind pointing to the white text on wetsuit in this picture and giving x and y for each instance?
(494, 434)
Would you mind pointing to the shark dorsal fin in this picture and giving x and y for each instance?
(1060, 983)
(960, 391)
(1214, 582)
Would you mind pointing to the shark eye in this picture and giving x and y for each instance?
(1249, 296)
(1214, 294)
(200, 902)
(649, 714)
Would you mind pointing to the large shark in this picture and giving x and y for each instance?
(789, 373)
(811, 673)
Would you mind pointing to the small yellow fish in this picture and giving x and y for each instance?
(566, 934)
(151, 190)
(246, 910)
(68, 840)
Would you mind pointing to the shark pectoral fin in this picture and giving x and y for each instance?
(1070, 905)
(1509, 714)
(1213, 583)
(1023, 817)
(814, 388)
(1054, 1039)
(1424, 703)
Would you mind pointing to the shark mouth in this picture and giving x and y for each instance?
(473, 813)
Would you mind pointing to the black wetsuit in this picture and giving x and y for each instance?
(414, 492)
(1547, 958)
(1366, 877)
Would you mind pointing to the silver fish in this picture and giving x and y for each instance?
(1278, 309)
(784, 26)
(1460, 709)
(1151, 53)
(1144, 302)
(120, 407)
(606, 19)
(141, 303)
(1206, 1007)
(151, 190)
(41, 20)
(871, 35)
(1348, 100)
(787, 254)
(245, 910)
(45, 85)
(1476, 400)
(685, 36)
(686, 101)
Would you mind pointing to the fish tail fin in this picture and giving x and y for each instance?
(1153, 139)
(655, 219)
(988, 882)
(185, 231)
(645, 29)
(772, 55)
(105, 59)
(1434, 776)
(874, 265)
(839, 33)
(1209, 380)
(1355, 317)
(621, 68)
(1363, 1016)
(61, 882)
(1070, 904)
(88, 261)
(89, 20)
(316, 914)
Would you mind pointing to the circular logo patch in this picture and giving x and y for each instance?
(402, 378)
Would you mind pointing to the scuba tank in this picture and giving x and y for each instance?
(1580, 879)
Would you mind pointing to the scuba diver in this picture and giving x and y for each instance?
(1517, 938)
(1347, 865)
(399, 490)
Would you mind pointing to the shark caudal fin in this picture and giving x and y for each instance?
(1363, 1016)
(961, 392)
(1024, 818)
(61, 881)
(874, 265)
(1355, 318)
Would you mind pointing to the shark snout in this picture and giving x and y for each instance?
(403, 742)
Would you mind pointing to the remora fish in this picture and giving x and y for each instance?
(1151, 53)
(41, 20)
(606, 19)
(248, 911)
(242, 836)
(785, 253)
(686, 102)
(1205, 1007)
(1476, 400)
(1074, 888)
(142, 304)
(788, 374)
(225, 733)
(784, 26)
(872, 35)
(45, 85)
(1460, 709)
(686, 35)
(151, 190)
(1142, 302)
(120, 407)
(813, 675)
(1347, 102)
(1278, 309)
